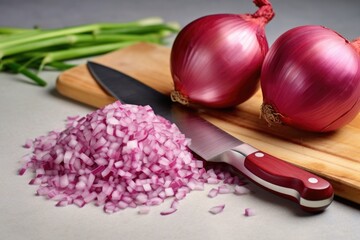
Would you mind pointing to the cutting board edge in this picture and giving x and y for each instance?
(65, 86)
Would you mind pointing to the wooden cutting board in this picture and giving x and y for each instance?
(334, 156)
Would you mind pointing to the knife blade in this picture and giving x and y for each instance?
(310, 191)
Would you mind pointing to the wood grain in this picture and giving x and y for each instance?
(334, 156)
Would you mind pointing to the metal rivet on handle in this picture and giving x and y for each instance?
(259, 154)
(313, 180)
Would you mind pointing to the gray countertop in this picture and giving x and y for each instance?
(28, 111)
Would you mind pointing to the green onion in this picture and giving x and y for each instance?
(25, 48)
(80, 52)
(60, 65)
(19, 69)
(90, 28)
(13, 30)
(72, 39)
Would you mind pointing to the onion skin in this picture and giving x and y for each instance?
(216, 59)
(310, 79)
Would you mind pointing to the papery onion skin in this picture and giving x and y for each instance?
(216, 59)
(310, 79)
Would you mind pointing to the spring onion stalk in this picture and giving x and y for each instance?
(142, 29)
(14, 36)
(24, 48)
(60, 65)
(82, 52)
(92, 28)
(14, 30)
(19, 69)
(26, 63)
(73, 39)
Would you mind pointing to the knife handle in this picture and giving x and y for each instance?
(310, 191)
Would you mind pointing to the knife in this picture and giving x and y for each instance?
(311, 192)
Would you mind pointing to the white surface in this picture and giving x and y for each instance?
(28, 111)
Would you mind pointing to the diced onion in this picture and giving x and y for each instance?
(121, 156)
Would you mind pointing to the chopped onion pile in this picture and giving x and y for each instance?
(118, 157)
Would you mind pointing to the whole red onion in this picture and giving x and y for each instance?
(310, 79)
(216, 59)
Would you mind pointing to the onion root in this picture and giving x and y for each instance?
(271, 116)
(177, 96)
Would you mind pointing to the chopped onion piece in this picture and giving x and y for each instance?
(241, 190)
(79, 202)
(175, 204)
(141, 198)
(168, 211)
(21, 171)
(249, 212)
(217, 209)
(64, 181)
(213, 193)
(144, 210)
(28, 143)
(155, 201)
(169, 192)
(147, 187)
(224, 189)
(180, 195)
(62, 203)
(212, 180)
(122, 205)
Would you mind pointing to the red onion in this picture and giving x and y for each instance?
(216, 59)
(311, 79)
